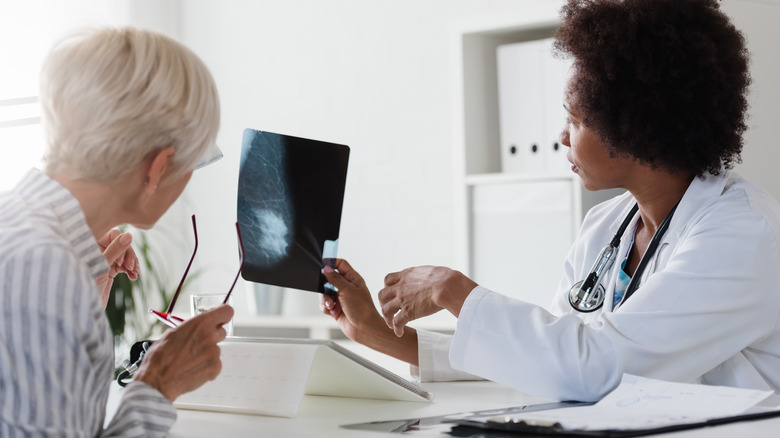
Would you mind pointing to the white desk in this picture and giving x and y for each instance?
(322, 417)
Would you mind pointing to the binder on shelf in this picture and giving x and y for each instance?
(520, 112)
(270, 376)
(531, 82)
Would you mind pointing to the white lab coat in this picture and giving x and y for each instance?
(706, 311)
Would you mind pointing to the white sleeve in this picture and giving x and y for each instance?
(715, 297)
(433, 355)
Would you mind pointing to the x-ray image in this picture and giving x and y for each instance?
(290, 194)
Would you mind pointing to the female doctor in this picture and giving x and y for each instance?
(677, 279)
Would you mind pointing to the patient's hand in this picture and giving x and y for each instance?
(352, 306)
(188, 356)
(117, 249)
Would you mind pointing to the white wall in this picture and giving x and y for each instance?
(758, 20)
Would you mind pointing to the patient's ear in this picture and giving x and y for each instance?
(160, 163)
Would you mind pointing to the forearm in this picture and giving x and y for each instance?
(384, 340)
(453, 292)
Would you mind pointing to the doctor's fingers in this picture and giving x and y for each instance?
(387, 299)
(330, 306)
(389, 303)
(393, 278)
(400, 319)
(349, 273)
(395, 311)
(336, 278)
(326, 303)
(349, 293)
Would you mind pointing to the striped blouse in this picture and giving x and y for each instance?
(56, 352)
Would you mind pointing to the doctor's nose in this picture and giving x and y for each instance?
(563, 137)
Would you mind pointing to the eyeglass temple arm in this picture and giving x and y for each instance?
(240, 265)
(186, 271)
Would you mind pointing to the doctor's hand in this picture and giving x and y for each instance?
(358, 318)
(352, 307)
(187, 356)
(422, 291)
(118, 252)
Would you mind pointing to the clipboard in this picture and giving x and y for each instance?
(496, 427)
(441, 424)
(639, 406)
(270, 376)
(470, 428)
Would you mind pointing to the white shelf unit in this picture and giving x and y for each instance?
(514, 229)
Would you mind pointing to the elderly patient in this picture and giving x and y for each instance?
(128, 116)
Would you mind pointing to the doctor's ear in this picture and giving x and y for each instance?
(158, 165)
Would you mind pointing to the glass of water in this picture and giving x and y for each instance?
(200, 303)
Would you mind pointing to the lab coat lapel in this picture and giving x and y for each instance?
(701, 191)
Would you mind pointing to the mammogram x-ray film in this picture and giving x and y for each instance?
(290, 194)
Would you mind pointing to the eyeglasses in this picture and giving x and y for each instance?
(213, 154)
(167, 317)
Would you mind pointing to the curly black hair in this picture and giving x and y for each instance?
(664, 81)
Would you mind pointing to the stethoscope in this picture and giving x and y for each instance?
(588, 295)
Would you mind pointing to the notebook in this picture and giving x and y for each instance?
(269, 376)
(290, 196)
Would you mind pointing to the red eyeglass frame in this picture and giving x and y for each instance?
(167, 317)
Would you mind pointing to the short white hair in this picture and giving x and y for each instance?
(112, 97)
